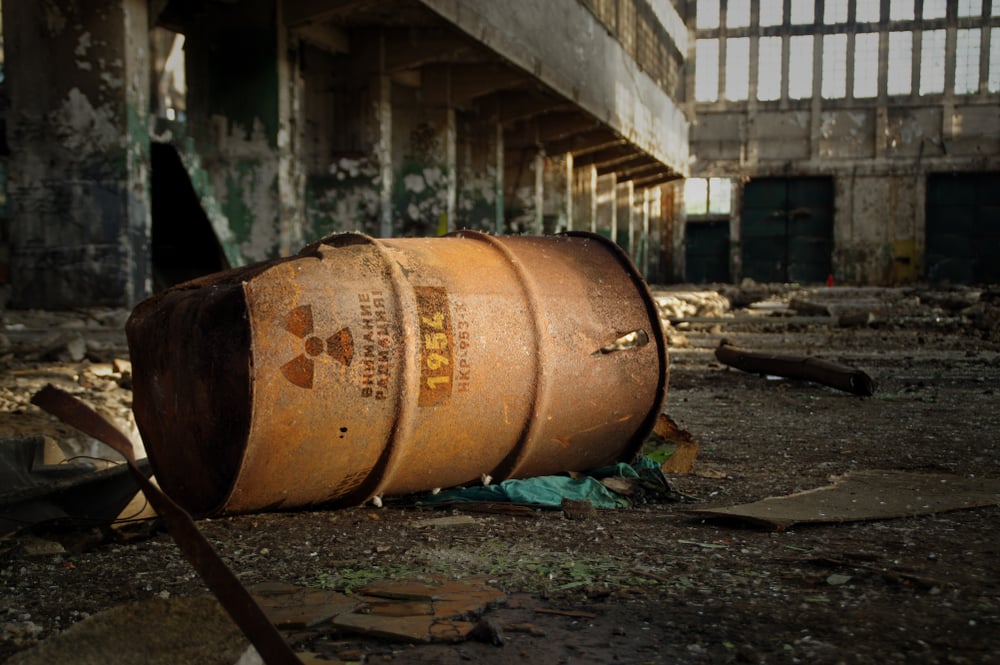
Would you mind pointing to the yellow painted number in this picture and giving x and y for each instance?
(438, 381)
(435, 341)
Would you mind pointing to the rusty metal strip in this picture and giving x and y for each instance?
(233, 596)
(806, 368)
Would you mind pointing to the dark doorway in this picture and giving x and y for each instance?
(184, 244)
(963, 228)
(788, 229)
(706, 251)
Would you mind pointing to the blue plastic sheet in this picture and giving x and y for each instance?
(549, 491)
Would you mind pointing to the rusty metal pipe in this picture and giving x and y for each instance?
(364, 367)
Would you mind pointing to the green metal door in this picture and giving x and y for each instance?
(963, 228)
(706, 253)
(787, 229)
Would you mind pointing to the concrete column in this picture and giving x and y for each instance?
(568, 163)
(383, 153)
(538, 216)
(291, 170)
(606, 212)
(78, 171)
(451, 168)
(238, 122)
(593, 199)
(500, 166)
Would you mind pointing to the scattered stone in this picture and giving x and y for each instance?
(488, 631)
(688, 304)
(450, 521)
(33, 546)
(578, 510)
(122, 366)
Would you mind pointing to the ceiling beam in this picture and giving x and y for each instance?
(553, 127)
(512, 106)
(613, 154)
(645, 168)
(323, 36)
(461, 84)
(409, 49)
(658, 178)
(299, 12)
(623, 165)
(585, 143)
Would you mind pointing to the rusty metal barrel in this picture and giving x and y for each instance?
(363, 367)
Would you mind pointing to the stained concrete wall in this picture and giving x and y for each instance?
(306, 118)
(77, 185)
(879, 160)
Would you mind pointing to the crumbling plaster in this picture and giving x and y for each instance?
(78, 170)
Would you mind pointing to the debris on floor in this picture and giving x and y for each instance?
(602, 488)
(672, 446)
(866, 495)
(39, 484)
(807, 368)
(233, 596)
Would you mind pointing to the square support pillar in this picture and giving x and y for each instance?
(78, 172)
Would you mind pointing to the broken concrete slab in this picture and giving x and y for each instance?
(289, 606)
(867, 495)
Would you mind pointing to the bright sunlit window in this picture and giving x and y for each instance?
(835, 11)
(967, 61)
(993, 83)
(772, 12)
(769, 68)
(935, 9)
(901, 10)
(737, 68)
(970, 8)
(866, 65)
(707, 14)
(900, 72)
(834, 66)
(738, 14)
(706, 78)
(708, 196)
(867, 11)
(801, 12)
(932, 62)
(800, 67)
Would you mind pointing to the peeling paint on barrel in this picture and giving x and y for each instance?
(364, 367)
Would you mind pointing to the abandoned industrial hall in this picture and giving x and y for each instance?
(499, 331)
(714, 141)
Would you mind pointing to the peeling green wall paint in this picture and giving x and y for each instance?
(477, 202)
(420, 199)
(346, 199)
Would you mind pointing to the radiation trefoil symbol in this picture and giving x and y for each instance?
(339, 346)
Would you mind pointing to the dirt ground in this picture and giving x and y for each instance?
(653, 584)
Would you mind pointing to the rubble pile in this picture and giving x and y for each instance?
(687, 304)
